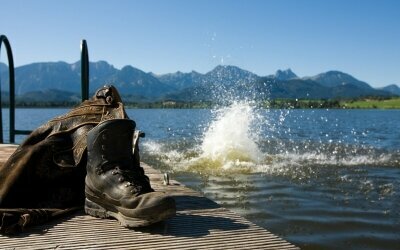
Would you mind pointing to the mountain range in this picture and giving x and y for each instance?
(61, 81)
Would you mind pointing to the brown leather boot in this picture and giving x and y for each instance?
(116, 185)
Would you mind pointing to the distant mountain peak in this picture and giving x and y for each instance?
(133, 83)
(337, 74)
(226, 68)
(335, 78)
(229, 75)
(128, 68)
(230, 70)
(286, 74)
(392, 88)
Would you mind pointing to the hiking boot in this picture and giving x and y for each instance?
(115, 184)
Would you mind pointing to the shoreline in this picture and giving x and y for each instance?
(360, 103)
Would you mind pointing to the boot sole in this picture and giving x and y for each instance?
(94, 209)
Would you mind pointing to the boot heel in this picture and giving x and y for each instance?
(95, 210)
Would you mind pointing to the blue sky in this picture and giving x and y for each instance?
(361, 38)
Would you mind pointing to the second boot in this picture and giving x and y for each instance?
(115, 184)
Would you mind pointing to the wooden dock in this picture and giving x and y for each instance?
(199, 224)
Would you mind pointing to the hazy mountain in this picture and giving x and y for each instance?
(67, 77)
(130, 80)
(309, 89)
(283, 75)
(3, 67)
(294, 88)
(221, 83)
(44, 76)
(61, 81)
(99, 74)
(284, 84)
(353, 91)
(336, 78)
(180, 80)
(393, 88)
(229, 75)
(52, 95)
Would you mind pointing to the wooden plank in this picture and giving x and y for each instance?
(200, 223)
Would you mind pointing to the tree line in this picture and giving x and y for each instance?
(170, 104)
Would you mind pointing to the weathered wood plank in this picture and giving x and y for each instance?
(200, 223)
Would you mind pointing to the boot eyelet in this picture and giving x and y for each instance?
(103, 147)
(103, 157)
(121, 179)
(114, 172)
(109, 99)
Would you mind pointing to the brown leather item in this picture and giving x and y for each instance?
(116, 185)
(45, 176)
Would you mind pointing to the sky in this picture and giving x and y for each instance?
(359, 37)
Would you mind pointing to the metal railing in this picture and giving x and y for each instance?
(84, 86)
(84, 70)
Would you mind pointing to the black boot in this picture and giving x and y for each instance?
(115, 184)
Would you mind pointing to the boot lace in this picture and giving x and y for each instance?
(134, 178)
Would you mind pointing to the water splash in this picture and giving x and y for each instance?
(243, 138)
(230, 139)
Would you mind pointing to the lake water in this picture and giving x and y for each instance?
(319, 178)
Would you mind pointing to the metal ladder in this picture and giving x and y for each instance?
(84, 86)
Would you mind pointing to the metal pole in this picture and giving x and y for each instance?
(3, 39)
(84, 70)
